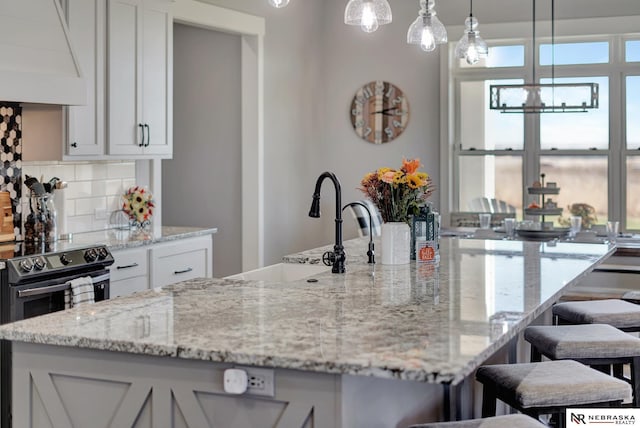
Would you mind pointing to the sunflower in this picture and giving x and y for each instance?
(414, 181)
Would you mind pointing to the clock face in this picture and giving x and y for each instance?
(379, 112)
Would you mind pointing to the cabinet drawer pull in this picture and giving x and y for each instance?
(146, 126)
(132, 265)
(141, 126)
(178, 272)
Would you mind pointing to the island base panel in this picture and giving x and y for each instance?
(56, 386)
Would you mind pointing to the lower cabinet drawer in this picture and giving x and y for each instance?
(124, 287)
(181, 261)
(129, 263)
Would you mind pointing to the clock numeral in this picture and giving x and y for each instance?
(397, 124)
(390, 92)
(378, 136)
(367, 131)
(359, 123)
(359, 101)
(367, 93)
(399, 112)
(379, 88)
(356, 111)
(388, 131)
(396, 101)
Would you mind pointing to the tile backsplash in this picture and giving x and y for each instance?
(93, 191)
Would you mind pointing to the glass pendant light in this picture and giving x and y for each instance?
(427, 30)
(278, 3)
(471, 47)
(368, 14)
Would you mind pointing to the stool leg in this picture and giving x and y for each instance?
(635, 380)
(536, 356)
(488, 400)
(604, 368)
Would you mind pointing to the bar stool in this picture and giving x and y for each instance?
(597, 345)
(618, 313)
(548, 387)
(507, 421)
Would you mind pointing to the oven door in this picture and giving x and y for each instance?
(31, 299)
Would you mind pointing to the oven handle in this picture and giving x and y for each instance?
(60, 287)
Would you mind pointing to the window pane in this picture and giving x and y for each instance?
(577, 130)
(498, 177)
(485, 129)
(633, 112)
(575, 53)
(581, 179)
(632, 50)
(633, 192)
(499, 56)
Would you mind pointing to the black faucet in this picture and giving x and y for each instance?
(337, 257)
(371, 251)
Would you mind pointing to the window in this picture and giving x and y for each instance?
(594, 157)
(499, 56)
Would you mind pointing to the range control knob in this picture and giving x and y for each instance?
(91, 255)
(39, 263)
(26, 265)
(64, 259)
(102, 253)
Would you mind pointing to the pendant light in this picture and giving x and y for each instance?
(278, 3)
(427, 30)
(368, 14)
(544, 98)
(471, 47)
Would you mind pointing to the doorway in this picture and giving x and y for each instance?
(202, 183)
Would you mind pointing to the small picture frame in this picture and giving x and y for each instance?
(551, 184)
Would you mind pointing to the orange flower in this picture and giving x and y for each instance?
(388, 176)
(410, 166)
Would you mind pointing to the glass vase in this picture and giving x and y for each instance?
(396, 243)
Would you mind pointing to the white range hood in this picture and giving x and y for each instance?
(37, 63)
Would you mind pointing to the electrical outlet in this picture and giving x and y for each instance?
(260, 381)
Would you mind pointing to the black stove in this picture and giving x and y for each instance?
(36, 280)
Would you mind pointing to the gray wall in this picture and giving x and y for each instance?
(201, 184)
(314, 64)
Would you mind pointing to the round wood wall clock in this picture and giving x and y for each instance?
(379, 112)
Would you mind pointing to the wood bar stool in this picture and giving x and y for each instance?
(616, 312)
(507, 421)
(548, 387)
(597, 345)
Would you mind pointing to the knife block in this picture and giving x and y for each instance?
(6, 218)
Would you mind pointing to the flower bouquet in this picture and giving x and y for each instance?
(138, 204)
(400, 193)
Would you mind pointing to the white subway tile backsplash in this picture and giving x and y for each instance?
(92, 187)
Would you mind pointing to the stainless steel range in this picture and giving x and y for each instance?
(33, 281)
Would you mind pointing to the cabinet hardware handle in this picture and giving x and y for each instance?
(178, 272)
(127, 266)
(146, 126)
(74, 144)
(141, 126)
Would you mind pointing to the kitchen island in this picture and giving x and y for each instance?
(375, 347)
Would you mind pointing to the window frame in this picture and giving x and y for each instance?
(621, 30)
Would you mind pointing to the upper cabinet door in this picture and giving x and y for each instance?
(85, 125)
(140, 78)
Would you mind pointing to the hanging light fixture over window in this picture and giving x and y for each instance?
(278, 3)
(368, 14)
(544, 98)
(427, 30)
(471, 47)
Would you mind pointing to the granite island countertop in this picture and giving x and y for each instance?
(431, 323)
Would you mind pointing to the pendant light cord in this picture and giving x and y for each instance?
(470, 8)
(533, 65)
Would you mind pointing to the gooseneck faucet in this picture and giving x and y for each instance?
(337, 258)
(371, 251)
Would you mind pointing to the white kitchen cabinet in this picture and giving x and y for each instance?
(140, 78)
(176, 261)
(129, 272)
(84, 126)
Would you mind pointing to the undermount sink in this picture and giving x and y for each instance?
(282, 272)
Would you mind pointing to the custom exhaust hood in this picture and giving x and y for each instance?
(37, 63)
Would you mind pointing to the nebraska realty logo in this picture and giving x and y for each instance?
(594, 417)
